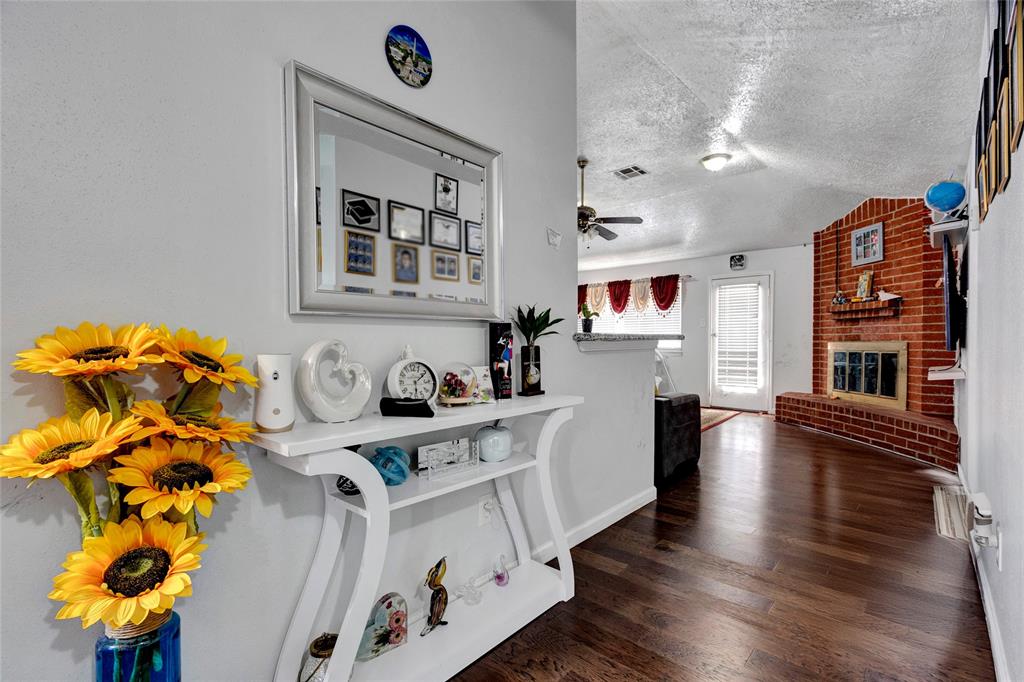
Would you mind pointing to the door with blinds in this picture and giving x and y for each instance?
(740, 343)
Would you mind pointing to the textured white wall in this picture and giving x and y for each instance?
(793, 269)
(143, 179)
(990, 402)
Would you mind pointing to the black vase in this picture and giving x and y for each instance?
(529, 364)
(588, 325)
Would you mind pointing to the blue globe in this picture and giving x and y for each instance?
(946, 196)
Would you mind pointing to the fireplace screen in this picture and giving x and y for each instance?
(874, 372)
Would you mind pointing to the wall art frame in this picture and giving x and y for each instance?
(306, 89)
(867, 245)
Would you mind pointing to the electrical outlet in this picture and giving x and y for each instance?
(484, 505)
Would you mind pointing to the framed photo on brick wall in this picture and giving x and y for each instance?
(866, 245)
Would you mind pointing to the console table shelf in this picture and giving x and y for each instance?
(327, 451)
(418, 489)
(532, 589)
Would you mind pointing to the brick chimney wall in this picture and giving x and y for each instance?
(910, 269)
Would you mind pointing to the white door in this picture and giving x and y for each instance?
(740, 344)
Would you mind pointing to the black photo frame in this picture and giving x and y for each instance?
(360, 211)
(406, 210)
(446, 194)
(472, 229)
(405, 271)
(451, 225)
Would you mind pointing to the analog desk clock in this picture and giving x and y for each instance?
(411, 377)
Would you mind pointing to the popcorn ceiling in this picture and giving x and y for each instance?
(821, 104)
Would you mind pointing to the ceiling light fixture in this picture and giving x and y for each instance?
(716, 162)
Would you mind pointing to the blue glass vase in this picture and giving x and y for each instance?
(151, 657)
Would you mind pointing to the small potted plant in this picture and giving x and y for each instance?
(588, 316)
(532, 325)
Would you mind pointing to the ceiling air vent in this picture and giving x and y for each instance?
(629, 172)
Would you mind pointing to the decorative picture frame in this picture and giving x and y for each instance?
(992, 157)
(360, 253)
(406, 223)
(444, 266)
(405, 271)
(445, 231)
(1003, 123)
(867, 245)
(1016, 63)
(474, 238)
(446, 194)
(408, 56)
(982, 186)
(864, 283)
(981, 144)
(359, 210)
(474, 270)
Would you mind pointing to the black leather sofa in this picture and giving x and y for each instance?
(676, 436)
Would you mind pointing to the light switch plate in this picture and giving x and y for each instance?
(554, 238)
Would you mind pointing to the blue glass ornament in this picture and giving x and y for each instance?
(393, 464)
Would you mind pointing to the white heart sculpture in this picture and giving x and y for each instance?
(327, 404)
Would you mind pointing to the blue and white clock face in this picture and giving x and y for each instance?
(408, 56)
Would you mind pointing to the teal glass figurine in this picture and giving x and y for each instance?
(438, 597)
(393, 464)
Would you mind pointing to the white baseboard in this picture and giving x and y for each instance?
(995, 637)
(546, 552)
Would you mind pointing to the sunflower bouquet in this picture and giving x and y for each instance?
(157, 463)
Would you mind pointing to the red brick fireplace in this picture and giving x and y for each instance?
(910, 269)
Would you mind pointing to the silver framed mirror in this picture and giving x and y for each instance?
(388, 214)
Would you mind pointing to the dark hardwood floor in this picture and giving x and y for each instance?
(789, 555)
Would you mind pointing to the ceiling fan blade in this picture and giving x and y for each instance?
(604, 231)
(632, 220)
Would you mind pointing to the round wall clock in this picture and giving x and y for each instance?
(408, 56)
(412, 377)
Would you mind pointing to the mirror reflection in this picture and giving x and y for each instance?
(395, 218)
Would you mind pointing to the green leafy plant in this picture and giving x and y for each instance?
(586, 313)
(533, 325)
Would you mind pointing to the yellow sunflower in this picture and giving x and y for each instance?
(181, 474)
(203, 358)
(90, 351)
(128, 572)
(60, 445)
(184, 426)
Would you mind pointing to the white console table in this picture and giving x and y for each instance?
(323, 450)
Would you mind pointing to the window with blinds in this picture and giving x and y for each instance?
(738, 336)
(651, 321)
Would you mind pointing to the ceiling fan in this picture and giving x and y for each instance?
(586, 217)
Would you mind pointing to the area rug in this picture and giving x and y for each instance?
(950, 511)
(710, 417)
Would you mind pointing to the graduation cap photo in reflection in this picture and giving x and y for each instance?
(360, 210)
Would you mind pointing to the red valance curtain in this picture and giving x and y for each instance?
(664, 291)
(581, 297)
(618, 295)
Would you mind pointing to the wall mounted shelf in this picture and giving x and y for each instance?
(956, 230)
(329, 450)
(855, 311)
